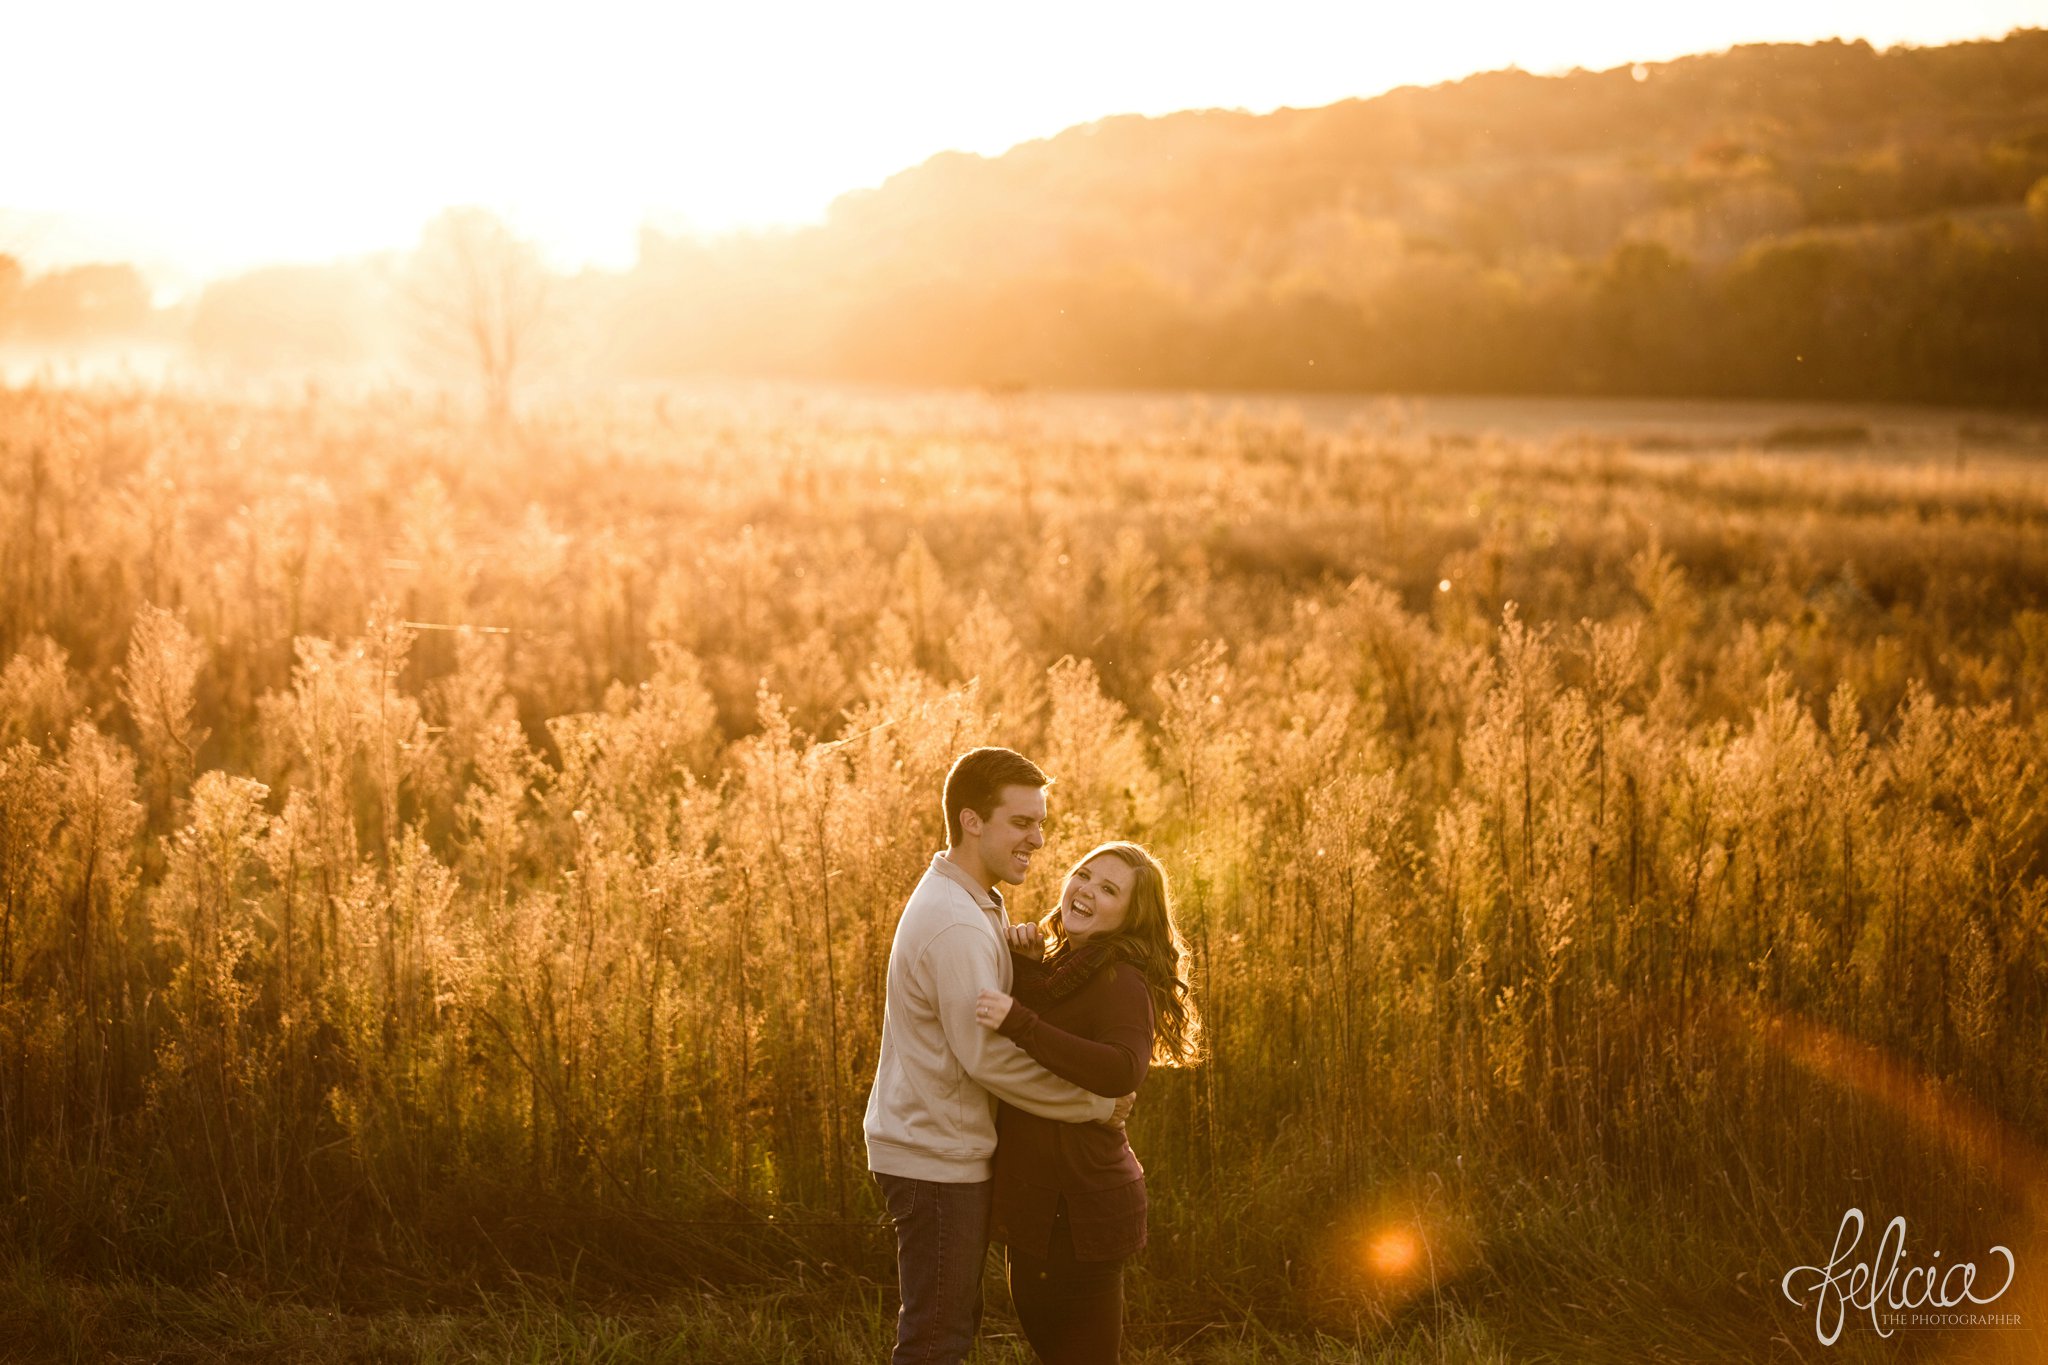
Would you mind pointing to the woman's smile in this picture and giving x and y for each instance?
(1096, 898)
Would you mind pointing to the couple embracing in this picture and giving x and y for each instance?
(1008, 1064)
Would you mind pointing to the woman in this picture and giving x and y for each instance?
(1109, 998)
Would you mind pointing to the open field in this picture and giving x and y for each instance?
(446, 874)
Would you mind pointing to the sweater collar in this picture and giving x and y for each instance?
(1074, 968)
(984, 897)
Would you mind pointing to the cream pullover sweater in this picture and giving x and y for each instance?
(931, 1115)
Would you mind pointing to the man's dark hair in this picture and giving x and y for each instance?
(977, 781)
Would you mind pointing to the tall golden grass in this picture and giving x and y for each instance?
(441, 855)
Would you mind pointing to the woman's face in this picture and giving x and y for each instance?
(1096, 899)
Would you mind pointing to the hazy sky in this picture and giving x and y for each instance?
(203, 135)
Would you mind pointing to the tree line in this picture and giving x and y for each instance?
(1816, 221)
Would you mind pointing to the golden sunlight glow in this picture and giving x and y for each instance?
(1943, 1116)
(1393, 1252)
(1940, 1113)
(225, 133)
(1399, 1246)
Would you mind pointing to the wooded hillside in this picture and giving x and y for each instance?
(1822, 220)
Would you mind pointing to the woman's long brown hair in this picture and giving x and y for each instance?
(1150, 941)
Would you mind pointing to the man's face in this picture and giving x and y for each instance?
(1013, 832)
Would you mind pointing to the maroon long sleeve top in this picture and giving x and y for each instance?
(1100, 1038)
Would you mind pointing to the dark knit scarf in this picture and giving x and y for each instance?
(1067, 972)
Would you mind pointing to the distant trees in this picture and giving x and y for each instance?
(10, 287)
(74, 303)
(1774, 221)
(479, 296)
(1819, 221)
(292, 315)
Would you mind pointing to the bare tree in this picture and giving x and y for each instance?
(479, 297)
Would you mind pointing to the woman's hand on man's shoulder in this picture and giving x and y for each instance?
(1026, 941)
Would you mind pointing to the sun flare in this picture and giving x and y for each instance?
(224, 133)
(1393, 1253)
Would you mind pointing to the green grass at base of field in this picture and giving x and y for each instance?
(1581, 1271)
(50, 1318)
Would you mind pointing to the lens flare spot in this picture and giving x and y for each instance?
(1401, 1242)
(1392, 1252)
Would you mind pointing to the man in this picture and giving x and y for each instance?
(930, 1124)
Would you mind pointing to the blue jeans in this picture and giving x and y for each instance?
(941, 1243)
